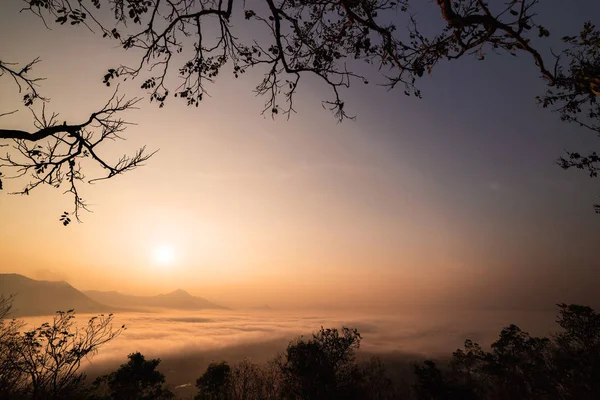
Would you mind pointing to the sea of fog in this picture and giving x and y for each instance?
(187, 342)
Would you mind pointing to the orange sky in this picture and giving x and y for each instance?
(257, 210)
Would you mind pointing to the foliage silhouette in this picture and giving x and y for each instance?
(11, 380)
(322, 367)
(138, 379)
(566, 366)
(577, 355)
(249, 381)
(215, 383)
(326, 39)
(243, 380)
(44, 362)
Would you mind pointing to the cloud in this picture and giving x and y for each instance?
(189, 319)
(186, 342)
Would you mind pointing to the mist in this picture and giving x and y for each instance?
(186, 342)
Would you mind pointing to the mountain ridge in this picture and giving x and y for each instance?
(178, 299)
(42, 297)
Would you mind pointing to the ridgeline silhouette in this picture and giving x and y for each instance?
(45, 297)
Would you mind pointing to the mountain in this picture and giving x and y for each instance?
(40, 297)
(45, 298)
(179, 299)
(47, 275)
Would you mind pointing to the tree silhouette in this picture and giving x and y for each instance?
(247, 382)
(137, 379)
(12, 381)
(215, 383)
(375, 383)
(44, 362)
(431, 384)
(565, 366)
(243, 380)
(195, 39)
(577, 356)
(54, 152)
(322, 367)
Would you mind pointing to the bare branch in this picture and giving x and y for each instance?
(8, 113)
(22, 80)
(53, 154)
(325, 39)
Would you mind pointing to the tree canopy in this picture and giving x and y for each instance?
(564, 366)
(191, 42)
(138, 379)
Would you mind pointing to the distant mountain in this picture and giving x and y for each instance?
(47, 275)
(45, 297)
(179, 299)
(40, 297)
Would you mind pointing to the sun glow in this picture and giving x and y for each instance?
(164, 255)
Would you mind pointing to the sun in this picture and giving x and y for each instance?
(164, 255)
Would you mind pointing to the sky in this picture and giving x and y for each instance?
(451, 199)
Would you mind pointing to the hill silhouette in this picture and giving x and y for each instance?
(178, 299)
(35, 297)
(40, 297)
